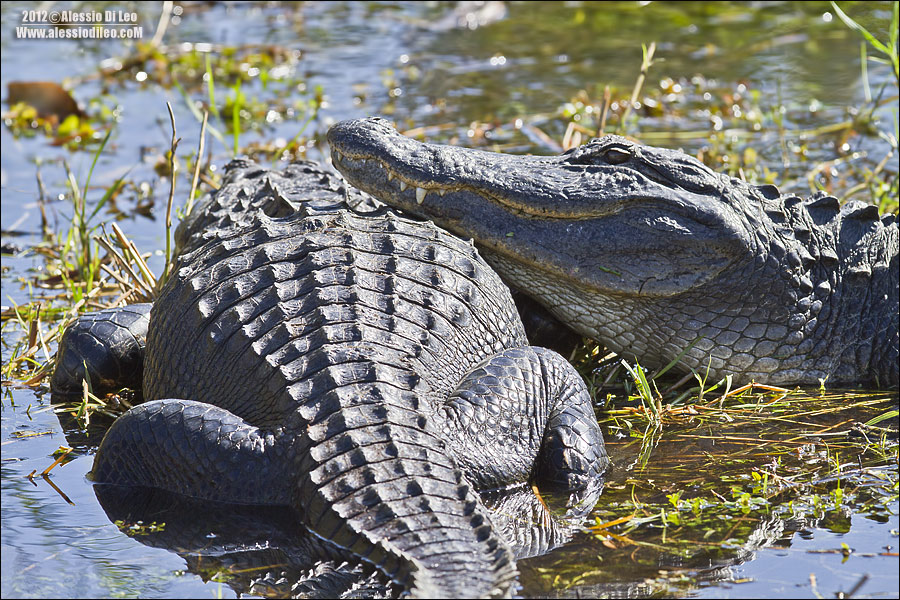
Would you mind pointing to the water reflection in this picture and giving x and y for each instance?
(265, 550)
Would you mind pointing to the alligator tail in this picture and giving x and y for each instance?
(380, 484)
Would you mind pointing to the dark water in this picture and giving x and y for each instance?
(437, 65)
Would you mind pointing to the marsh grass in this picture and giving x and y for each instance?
(701, 475)
(774, 449)
(73, 270)
(76, 276)
(744, 132)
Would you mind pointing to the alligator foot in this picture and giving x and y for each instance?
(110, 344)
(194, 449)
(557, 444)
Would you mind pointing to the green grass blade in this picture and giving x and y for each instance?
(198, 115)
(236, 116)
(91, 172)
(883, 417)
(895, 25)
(678, 358)
(210, 85)
(890, 52)
(109, 192)
(862, 30)
(864, 72)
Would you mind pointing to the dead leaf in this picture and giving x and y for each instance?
(48, 98)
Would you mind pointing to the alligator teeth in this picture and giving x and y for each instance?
(402, 185)
(420, 195)
(442, 191)
(390, 175)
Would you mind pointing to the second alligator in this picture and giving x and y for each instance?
(656, 256)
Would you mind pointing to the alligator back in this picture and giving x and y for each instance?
(845, 275)
(344, 332)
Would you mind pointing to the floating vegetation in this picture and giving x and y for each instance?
(727, 478)
(45, 107)
(139, 527)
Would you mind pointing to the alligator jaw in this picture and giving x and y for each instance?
(396, 164)
(575, 217)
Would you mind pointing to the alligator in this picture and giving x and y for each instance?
(317, 350)
(656, 256)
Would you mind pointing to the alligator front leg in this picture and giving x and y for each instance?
(197, 450)
(524, 414)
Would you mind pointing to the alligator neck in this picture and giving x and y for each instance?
(795, 310)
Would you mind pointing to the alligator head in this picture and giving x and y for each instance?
(644, 249)
(555, 214)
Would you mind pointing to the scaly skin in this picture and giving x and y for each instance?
(366, 369)
(651, 253)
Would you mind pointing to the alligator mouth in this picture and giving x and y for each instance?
(377, 173)
(403, 182)
(396, 169)
(377, 158)
(380, 178)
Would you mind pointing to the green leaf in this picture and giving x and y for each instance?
(865, 32)
(69, 126)
(94, 164)
(882, 417)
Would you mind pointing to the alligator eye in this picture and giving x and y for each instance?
(616, 156)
